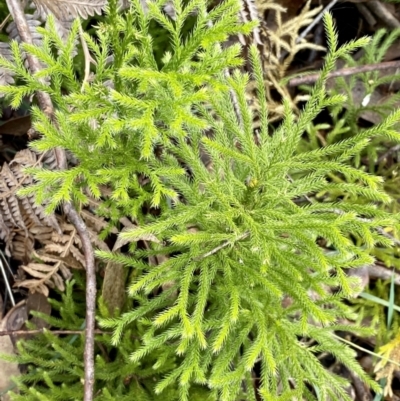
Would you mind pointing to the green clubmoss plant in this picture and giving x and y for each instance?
(244, 298)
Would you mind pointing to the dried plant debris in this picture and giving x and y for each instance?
(64, 9)
(14, 319)
(33, 23)
(19, 214)
(48, 246)
(57, 254)
(6, 76)
(280, 44)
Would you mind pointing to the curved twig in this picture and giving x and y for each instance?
(47, 107)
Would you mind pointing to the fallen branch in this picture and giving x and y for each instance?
(47, 107)
(383, 14)
(317, 19)
(42, 331)
(345, 72)
(383, 273)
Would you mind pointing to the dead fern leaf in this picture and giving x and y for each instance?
(64, 9)
(44, 276)
(36, 213)
(59, 255)
(6, 76)
(22, 247)
(20, 215)
(33, 23)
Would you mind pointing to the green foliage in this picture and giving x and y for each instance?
(55, 364)
(132, 105)
(376, 314)
(345, 123)
(236, 235)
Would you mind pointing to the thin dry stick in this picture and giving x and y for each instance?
(383, 13)
(364, 11)
(5, 22)
(87, 57)
(345, 72)
(388, 153)
(46, 106)
(379, 272)
(81, 228)
(316, 20)
(41, 331)
(8, 287)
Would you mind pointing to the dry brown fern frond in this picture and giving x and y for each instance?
(48, 247)
(64, 9)
(35, 213)
(33, 23)
(52, 263)
(53, 254)
(6, 76)
(19, 214)
(47, 273)
(57, 255)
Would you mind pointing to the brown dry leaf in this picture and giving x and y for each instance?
(41, 233)
(123, 241)
(16, 126)
(33, 286)
(68, 261)
(98, 223)
(14, 320)
(113, 290)
(7, 369)
(22, 247)
(39, 303)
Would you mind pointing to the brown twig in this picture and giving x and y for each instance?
(316, 20)
(4, 22)
(81, 228)
(41, 331)
(360, 388)
(393, 149)
(383, 13)
(47, 107)
(345, 72)
(380, 272)
(366, 13)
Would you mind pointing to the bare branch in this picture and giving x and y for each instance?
(41, 331)
(345, 72)
(47, 107)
